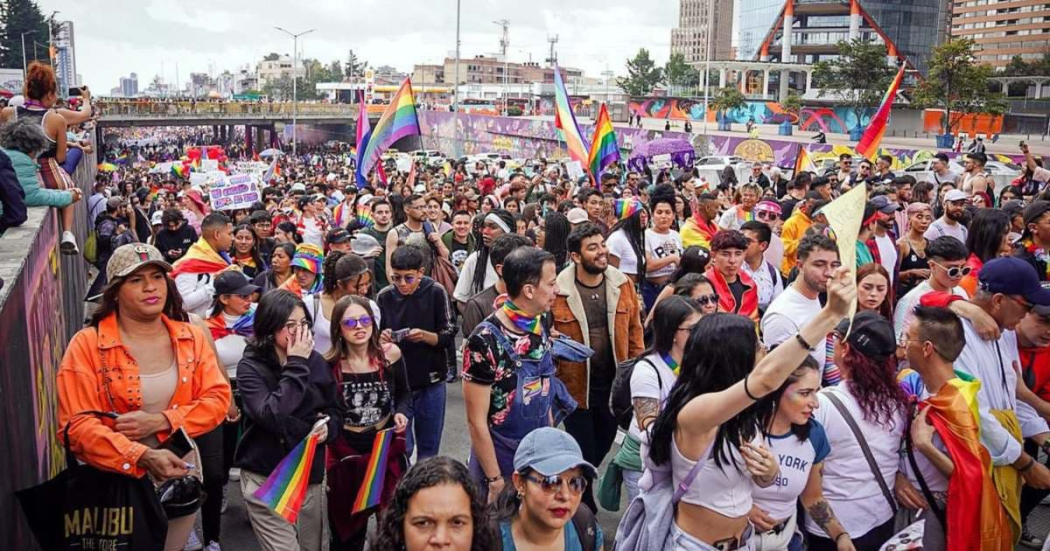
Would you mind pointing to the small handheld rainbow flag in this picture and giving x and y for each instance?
(371, 491)
(872, 137)
(285, 488)
(364, 217)
(604, 149)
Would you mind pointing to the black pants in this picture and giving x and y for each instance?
(594, 429)
(872, 541)
(1030, 497)
(211, 453)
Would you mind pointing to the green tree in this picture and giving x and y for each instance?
(680, 74)
(958, 84)
(335, 69)
(792, 105)
(355, 67)
(18, 17)
(642, 75)
(725, 100)
(858, 77)
(280, 88)
(272, 56)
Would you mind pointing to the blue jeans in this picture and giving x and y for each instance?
(426, 420)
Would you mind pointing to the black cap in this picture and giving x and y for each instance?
(337, 235)
(232, 282)
(1033, 212)
(871, 335)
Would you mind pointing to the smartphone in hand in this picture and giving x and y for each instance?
(399, 335)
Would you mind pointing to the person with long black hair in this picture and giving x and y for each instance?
(246, 251)
(477, 273)
(280, 268)
(710, 416)
(626, 242)
(987, 239)
(556, 230)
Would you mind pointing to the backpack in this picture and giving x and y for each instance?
(620, 396)
(583, 521)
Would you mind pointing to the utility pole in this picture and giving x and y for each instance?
(553, 59)
(295, 82)
(25, 64)
(504, 41)
(455, 81)
(608, 75)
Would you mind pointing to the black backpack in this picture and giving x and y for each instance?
(620, 396)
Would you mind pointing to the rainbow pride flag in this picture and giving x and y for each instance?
(398, 121)
(372, 486)
(869, 142)
(201, 259)
(285, 488)
(364, 217)
(565, 121)
(604, 148)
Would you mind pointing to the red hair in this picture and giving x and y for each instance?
(40, 81)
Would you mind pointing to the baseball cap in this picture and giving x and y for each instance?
(471, 195)
(337, 235)
(157, 218)
(550, 451)
(128, 258)
(114, 202)
(577, 215)
(298, 187)
(884, 205)
(363, 244)
(1010, 275)
(954, 195)
(233, 282)
(871, 335)
(1033, 212)
(420, 188)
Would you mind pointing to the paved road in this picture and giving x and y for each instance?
(455, 442)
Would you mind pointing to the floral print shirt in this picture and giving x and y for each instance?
(486, 362)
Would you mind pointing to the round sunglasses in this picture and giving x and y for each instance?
(955, 272)
(704, 300)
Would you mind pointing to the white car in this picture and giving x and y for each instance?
(718, 162)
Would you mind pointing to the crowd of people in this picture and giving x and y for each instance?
(703, 342)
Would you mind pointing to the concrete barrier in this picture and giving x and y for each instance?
(41, 307)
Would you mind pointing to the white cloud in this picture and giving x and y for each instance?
(118, 37)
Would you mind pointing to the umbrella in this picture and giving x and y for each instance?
(270, 153)
(107, 167)
(681, 152)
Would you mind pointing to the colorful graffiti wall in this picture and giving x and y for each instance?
(530, 138)
(838, 120)
(41, 307)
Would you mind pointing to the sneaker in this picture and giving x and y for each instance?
(213, 546)
(194, 543)
(225, 501)
(1028, 540)
(69, 244)
(235, 475)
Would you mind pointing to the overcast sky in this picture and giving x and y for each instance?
(117, 37)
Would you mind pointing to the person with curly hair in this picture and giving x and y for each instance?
(869, 397)
(436, 503)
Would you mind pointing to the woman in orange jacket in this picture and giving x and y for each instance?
(141, 359)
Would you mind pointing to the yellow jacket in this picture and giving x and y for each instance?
(794, 228)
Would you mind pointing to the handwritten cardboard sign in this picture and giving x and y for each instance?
(236, 191)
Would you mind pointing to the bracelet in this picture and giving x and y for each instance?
(801, 341)
(490, 480)
(840, 535)
(748, 392)
(1029, 465)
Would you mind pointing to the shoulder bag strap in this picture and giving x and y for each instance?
(934, 506)
(686, 482)
(864, 448)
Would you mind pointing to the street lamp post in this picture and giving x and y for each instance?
(295, 81)
(707, 64)
(25, 64)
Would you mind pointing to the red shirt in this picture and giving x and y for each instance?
(1035, 369)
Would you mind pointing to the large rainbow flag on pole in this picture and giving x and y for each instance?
(364, 132)
(604, 148)
(872, 137)
(285, 488)
(565, 121)
(371, 491)
(398, 121)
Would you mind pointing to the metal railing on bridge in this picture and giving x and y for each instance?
(221, 109)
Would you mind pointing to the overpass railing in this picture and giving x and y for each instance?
(222, 109)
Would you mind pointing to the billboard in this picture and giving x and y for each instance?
(11, 81)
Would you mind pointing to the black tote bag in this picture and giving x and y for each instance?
(84, 508)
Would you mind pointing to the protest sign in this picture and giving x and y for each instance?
(209, 165)
(575, 169)
(236, 191)
(845, 216)
(251, 167)
(198, 179)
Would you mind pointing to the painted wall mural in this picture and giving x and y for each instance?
(828, 119)
(530, 138)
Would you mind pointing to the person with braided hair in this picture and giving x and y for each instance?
(477, 273)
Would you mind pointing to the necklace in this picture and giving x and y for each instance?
(594, 295)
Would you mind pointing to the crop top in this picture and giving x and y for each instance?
(725, 490)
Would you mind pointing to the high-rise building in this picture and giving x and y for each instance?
(806, 31)
(65, 56)
(129, 86)
(690, 38)
(1003, 28)
(756, 17)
